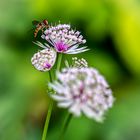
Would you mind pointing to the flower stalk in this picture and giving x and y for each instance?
(65, 126)
(59, 61)
(51, 101)
(47, 120)
(45, 130)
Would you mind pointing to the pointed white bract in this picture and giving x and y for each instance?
(83, 91)
(64, 39)
(44, 59)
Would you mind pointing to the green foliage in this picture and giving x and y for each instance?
(112, 30)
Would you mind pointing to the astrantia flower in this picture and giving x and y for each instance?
(83, 91)
(64, 39)
(44, 59)
(77, 63)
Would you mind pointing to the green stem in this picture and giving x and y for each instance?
(59, 61)
(48, 115)
(50, 76)
(47, 120)
(65, 126)
(51, 101)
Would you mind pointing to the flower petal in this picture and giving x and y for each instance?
(75, 109)
(65, 104)
(59, 98)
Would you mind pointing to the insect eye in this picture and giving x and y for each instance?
(45, 22)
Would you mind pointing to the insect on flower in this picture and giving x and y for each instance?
(40, 26)
(64, 40)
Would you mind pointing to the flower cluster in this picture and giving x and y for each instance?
(44, 59)
(83, 90)
(60, 38)
(79, 88)
(64, 39)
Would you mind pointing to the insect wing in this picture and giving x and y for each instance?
(35, 22)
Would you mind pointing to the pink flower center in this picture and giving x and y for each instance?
(82, 97)
(47, 65)
(61, 47)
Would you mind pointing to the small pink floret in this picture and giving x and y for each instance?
(47, 65)
(61, 47)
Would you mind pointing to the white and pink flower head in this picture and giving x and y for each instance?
(83, 90)
(64, 40)
(44, 59)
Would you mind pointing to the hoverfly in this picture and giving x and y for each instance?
(40, 26)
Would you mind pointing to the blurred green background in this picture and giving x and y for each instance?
(112, 30)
